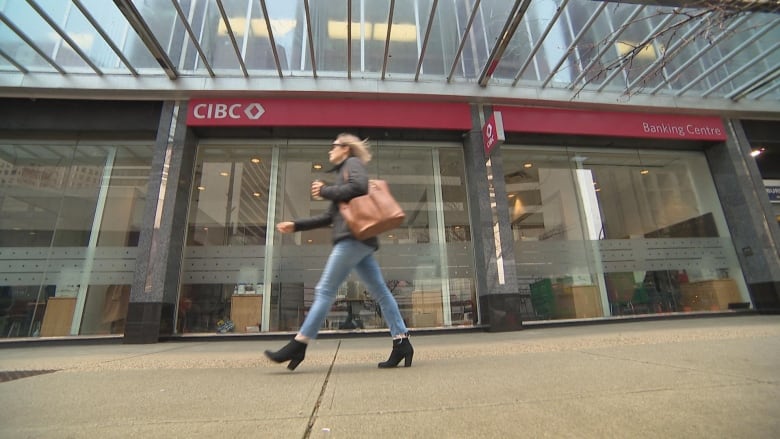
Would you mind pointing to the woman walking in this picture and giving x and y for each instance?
(349, 155)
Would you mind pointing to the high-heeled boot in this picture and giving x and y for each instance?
(294, 352)
(402, 350)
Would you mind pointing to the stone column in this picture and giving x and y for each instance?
(154, 291)
(496, 279)
(748, 212)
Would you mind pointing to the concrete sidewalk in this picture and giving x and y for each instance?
(692, 378)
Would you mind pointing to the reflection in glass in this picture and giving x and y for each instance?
(602, 233)
(410, 256)
(226, 233)
(70, 218)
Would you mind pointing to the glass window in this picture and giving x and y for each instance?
(459, 249)
(426, 262)
(70, 218)
(116, 26)
(223, 265)
(612, 232)
(35, 28)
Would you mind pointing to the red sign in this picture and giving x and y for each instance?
(598, 123)
(493, 132)
(328, 112)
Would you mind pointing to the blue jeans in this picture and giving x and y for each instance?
(348, 255)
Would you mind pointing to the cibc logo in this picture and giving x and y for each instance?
(237, 111)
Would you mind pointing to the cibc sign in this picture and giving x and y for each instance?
(235, 111)
(493, 132)
(268, 112)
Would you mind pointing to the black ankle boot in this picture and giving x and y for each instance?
(294, 352)
(402, 350)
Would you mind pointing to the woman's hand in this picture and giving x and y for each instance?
(286, 227)
(316, 186)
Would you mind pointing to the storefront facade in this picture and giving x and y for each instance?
(153, 217)
(173, 221)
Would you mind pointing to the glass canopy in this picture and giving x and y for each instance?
(569, 49)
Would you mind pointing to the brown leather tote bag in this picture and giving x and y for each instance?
(374, 213)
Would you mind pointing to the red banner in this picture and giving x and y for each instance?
(613, 124)
(328, 113)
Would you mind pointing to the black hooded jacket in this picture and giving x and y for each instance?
(351, 181)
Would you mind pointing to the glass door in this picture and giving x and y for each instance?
(224, 257)
(619, 232)
(426, 262)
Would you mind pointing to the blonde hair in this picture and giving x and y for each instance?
(358, 148)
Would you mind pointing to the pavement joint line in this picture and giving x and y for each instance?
(115, 360)
(316, 409)
(673, 366)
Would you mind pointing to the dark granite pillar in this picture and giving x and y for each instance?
(748, 212)
(155, 284)
(496, 280)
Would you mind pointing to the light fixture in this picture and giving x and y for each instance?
(646, 53)
(402, 32)
(256, 194)
(257, 26)
(255, 160)
(317, 166)
(224, 174)
(201, 188)
(757, 152)
(528, 165)
(642, 170)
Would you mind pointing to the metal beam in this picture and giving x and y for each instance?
(724, 59)
(618, 69)
(137, 22)
(31, 43)
(582, 32)
(12, 61)
(671, 51)
(608, 45)
(232, 36)
(311, 38)
(387, 39)
(756, 83)
(349, 39)
(761, 57)
(271, 37)
(52, 85)
(193, 38)
(726, 33)
(426, 38)
(463, 39)
(767, 90)
(105, 36)
(540, 41)
(510, 27)
(64, 35)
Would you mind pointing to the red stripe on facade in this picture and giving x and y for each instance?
(613, 124)
(328, 113)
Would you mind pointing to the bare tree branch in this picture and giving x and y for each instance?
(689, 20)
